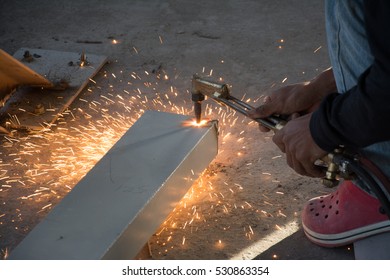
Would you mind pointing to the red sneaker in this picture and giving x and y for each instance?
(344, 216)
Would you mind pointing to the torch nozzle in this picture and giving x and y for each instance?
(198, 111)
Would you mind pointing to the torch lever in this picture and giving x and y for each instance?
(220, 93)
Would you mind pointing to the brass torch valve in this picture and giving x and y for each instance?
(332, 171)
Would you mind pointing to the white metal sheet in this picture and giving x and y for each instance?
(112, 212)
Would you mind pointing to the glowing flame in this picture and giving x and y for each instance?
(193, 123)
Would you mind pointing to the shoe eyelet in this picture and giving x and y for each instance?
(382, 210)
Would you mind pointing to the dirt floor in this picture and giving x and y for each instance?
(248, 199)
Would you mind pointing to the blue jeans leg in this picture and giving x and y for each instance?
(349, 52)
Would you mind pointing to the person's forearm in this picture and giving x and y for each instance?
(324, 83)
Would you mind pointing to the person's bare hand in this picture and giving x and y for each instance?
(288, 100)
(301, 151)
(301, 98)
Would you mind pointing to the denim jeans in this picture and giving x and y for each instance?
(350, 56)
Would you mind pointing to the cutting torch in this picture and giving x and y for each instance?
(339, 164)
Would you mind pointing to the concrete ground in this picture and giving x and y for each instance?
(250, 205)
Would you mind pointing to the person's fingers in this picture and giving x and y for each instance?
(289, 160)
(311, 170)
(305, 166)
(294, 116)
(297, 166)
(315, 171)
(267, 99)
(308, 163)
(261, 112)
(263, 128)
(264, 110)
(278, 140)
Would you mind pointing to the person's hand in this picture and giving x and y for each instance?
(288, 100)
(301, 98)
(301, 151)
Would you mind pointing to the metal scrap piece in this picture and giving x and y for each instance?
(56, 81)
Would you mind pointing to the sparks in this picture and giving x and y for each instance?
(76, 147)
(317, 49)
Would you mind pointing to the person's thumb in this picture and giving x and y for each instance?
(262, 111)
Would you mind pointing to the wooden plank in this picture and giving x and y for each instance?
(34, 108)
(114, 210)
(13, 72)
